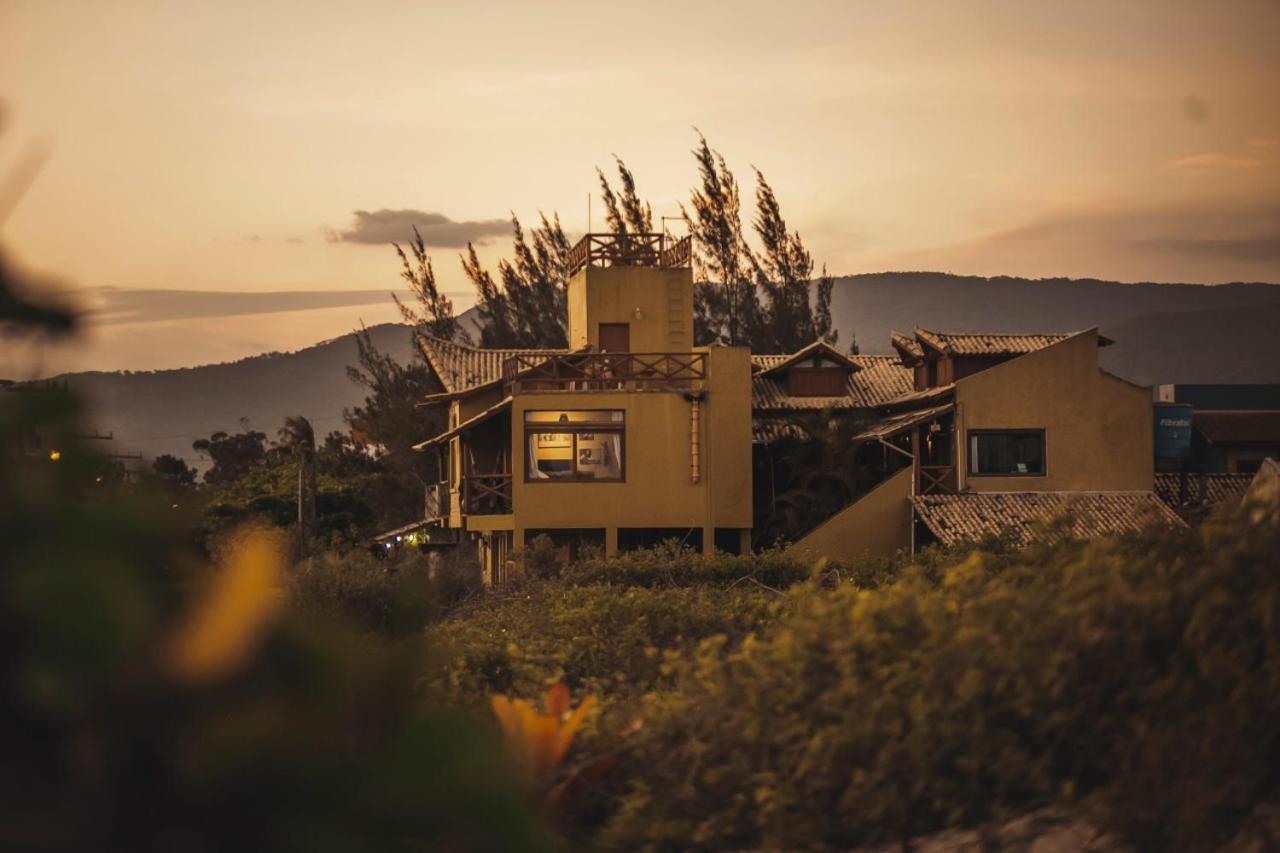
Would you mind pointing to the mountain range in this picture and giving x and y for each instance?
(1183, 333)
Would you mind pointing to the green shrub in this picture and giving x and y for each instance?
(1139, 678)
(673, 566)
(540, 558)
(392, 596)
(609, 641)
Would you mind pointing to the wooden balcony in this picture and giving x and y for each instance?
(630, 250)
(605, 371)
(437, 504)
(487, 494)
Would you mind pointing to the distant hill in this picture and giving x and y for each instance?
(165, 410)
(1164, 333)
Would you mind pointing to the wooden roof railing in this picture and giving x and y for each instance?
(602, 371)
(630, 250)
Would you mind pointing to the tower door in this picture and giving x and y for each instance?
(615, 337)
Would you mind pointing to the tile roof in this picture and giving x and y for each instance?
(1202, 489)
(880, 378)
(913, 399)
(766, 430)
(462, 367)
(906, 345)
(1258, 426)
(1022, 515)
(985, 344)
(894, 424)
(818, 349)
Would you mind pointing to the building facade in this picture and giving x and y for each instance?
(999, 435)
(630, 436)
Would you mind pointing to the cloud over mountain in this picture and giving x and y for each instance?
(437, 230)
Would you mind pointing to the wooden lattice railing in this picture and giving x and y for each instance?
(488, 494)
(630, 250)
(937, 480)
(604, 371)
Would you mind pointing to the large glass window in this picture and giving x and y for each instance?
(575, 445)
(1007, 453)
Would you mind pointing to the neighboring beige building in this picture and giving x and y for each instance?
(1000, 434)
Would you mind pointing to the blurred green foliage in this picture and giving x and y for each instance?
(317, 742)
(394, 595)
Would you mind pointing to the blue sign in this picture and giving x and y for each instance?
(1173, 430)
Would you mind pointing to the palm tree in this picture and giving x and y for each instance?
(298, 436)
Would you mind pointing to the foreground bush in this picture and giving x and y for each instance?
(1139, 679)
(393, 596)
(672, 566)
(605, 640)
(148, 703)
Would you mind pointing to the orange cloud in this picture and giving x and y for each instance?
(1203, 164)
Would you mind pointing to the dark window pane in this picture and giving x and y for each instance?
(1007, 453)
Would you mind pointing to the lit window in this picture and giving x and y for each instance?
(574, 445)
(1007, 453)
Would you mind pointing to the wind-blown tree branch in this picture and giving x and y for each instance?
(527, 305)
(726, 307)
(430, 311)
(784, 273)
(624, 213)
(392, 421)
(732, 279)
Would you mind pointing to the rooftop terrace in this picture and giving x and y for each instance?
(630, 250)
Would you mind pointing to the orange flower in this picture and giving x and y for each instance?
(541, 739)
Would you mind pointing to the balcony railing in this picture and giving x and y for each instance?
(437, 508)
(630, 250)
(487, 494)
(605, 371)
(937, 480)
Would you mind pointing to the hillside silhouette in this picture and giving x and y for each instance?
(1164, 333)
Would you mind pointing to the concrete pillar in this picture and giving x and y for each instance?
(709, 540)
(610, 541)
(744, 541)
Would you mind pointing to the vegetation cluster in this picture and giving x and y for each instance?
(1133, 681)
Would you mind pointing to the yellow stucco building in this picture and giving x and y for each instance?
(633, 435)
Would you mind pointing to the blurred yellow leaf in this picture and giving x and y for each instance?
(539, 739)
(229, 620)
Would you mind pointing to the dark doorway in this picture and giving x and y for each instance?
(615, 337)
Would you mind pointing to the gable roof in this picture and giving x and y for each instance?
(877, 379)
(978, 343)
(1023, 515)
(949, 343)
(907, 346)
(817, 349)
(462, 368)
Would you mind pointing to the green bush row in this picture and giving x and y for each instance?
(613, 642)
(1138, 679)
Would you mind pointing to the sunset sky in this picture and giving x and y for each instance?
(231, 146)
